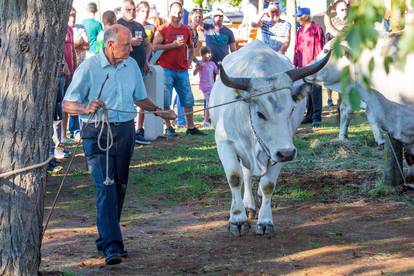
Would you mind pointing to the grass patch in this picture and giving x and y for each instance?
(188, 168)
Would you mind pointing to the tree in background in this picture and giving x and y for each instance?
(361, 34)
(31, 45)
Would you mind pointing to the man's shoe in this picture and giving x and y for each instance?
(61, 153)
(195, 131)
(51, 168)
(113, 258)
(139, 138)
(170, 132)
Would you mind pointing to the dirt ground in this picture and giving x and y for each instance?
(361, 237)
(358, 236)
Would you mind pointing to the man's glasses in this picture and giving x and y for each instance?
(133, 9)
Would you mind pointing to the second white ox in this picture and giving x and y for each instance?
(255, 136)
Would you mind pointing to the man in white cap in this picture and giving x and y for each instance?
(219, 38)
(275, 31)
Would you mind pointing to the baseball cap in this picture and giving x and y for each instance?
(217, 12)
(302, 11)
(273, 6)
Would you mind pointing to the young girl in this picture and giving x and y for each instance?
(206, 70)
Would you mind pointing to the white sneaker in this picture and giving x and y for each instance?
(61, 153)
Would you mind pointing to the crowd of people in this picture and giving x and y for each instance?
(104, 65)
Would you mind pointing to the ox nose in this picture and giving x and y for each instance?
(284, 155)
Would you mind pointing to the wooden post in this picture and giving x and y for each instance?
(392, 172)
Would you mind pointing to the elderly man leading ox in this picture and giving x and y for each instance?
(255, 136)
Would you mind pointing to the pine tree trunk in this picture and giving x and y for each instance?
(31, 46)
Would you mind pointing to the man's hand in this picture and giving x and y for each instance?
(136, 41)
(167, 114)
(146, 67)
(179, 43)
(94, 106)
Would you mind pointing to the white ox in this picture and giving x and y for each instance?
(330, 77)
(390, 103)
(255, 136)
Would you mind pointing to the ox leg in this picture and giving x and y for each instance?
(376, 130)
(409, 157)
(238, 223)
(267, 185)
(248, 199)
(345, 120)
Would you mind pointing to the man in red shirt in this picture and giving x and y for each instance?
(175, 40)
(309, 43)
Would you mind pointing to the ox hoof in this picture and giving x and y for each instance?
(251, 214)
(264, 229)
(239, 229)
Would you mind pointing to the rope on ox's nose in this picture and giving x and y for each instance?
(239, 99)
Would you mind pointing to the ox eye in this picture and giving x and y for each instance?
(261, 116)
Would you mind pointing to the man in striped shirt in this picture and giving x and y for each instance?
(275, 31)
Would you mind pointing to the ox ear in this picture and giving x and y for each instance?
(300, 73)
(236, 83)
(301, 91)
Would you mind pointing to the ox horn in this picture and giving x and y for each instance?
(300, 73)
(236, 83)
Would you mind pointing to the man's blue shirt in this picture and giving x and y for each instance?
(124, 86)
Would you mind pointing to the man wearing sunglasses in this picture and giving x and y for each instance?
(219, 38)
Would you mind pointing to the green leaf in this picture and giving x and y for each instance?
(366, 82)
(344, 79)
(387, 61)
(354, 40)
(355, 98)
(337, 49)
(371, 66)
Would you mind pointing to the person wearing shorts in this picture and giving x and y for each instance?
(175, 39)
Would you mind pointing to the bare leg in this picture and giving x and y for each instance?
(189, 117)
(65, 119)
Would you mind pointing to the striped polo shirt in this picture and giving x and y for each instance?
(274, 34)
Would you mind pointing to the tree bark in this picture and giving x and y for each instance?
(31, 46)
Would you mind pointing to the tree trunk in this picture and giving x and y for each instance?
(31, 46)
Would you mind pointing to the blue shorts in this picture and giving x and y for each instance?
(181, 82)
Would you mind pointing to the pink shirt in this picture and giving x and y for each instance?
(207, 76)
(309, 43)
(68, 50)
